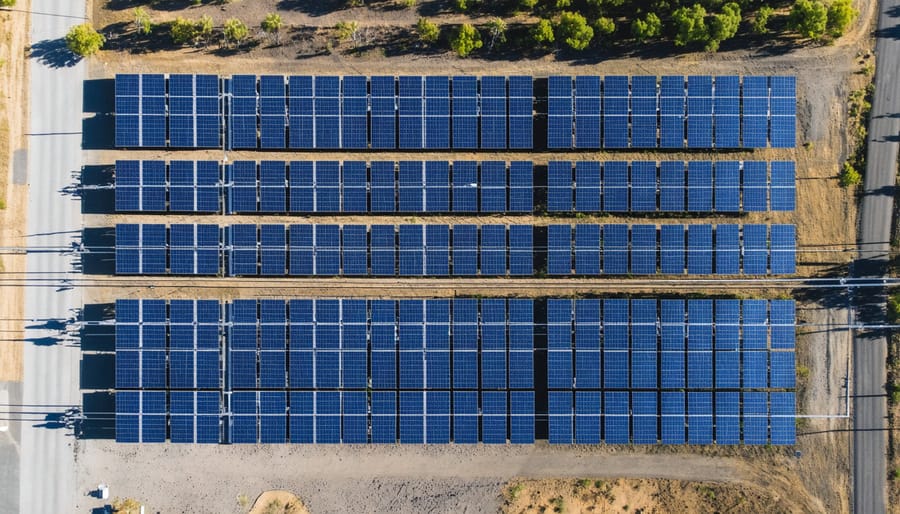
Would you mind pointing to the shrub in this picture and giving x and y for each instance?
(183, 31)
(604, 26)
(429, 32)
(542, 32)
(809, 18)
(761, 20)
(142, 21)
(467, 40)
(272, 23)
(204, 27)
(235, 31)
(346, 30)
(849, 176)
(840, 15)
(723, 26)
(575, 31)
(7, 3)
(83, 40)
(690, 25)
(527, 4)
(649, 27)
(497, 30)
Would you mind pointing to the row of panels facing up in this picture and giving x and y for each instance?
(457, 250)
(442, 417)
(460, 344)
(465, 187)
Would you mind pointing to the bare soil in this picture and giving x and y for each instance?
(278, 502)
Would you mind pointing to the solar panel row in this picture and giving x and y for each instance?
(672, 417)
(672, 112)
(180, 186)
(179, 111)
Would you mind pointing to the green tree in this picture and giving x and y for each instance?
(840, 15)
(235, 31)
(649, 27)
(467, 40)
(346, 30)
(809, 18)
(761, 20)
(562, 4)
(574, 30)
(604, 26)
(429, 32)
(461, 5)
(497, 30)
(142, 22)
(271, 25)
(690, 25)
(542, 32)
(723, 26)
(527, 4)
(83, 40)
(183, 31)
(600, 4)
(849, 176)
(204, 28)
(7, 3)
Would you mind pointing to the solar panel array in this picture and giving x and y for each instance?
(458, 250)
(644, 371)
(619, 371)
(189, 106)
(670, 186)
(179, 186)
(672, 112)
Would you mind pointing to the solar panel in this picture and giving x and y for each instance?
(272, 111)
(465, 112)
(671, 186)
(327, 108)
(437, 417)
(273, 252)
(559, 345)
(354, 187)
(587, 417)
(783, 106)
(383, 187)
(521, 344)
(521, 186)
(560, 417)
(327, 249)
(560, 113)
(300, 112)
(615, 112)
(783, 324)
(784, 193)
(128, 109)
(493, 344)
(521, 109)
(412, 419)
(465, 186)
(302, 420)
(672, 112)
(272, 417)
(700, 418)
(384, 345)
(465, 417)
(587, 348)
(521, 417)
(559, 186)
(242, 192)
(128, 186)
(493, 112)
(643, 186)
(437, 250)
(384, 417)
(783, 374)
(411, 111)
(645, 420)
(700, 249)
(559, 249)
(754, 119)
(465, 344)
(272, 186)
(616, 417)
(244, 417)
(493, 250)
(643, 249)
(699, 112)
(727, 110)
(354, 417)
(493, 186)
(493, 417)
(756, 254)
(755, 418)
(243, 256)
(587, 249)
(728, 189)
(754, 186)
(412, 250)
(327, 417)
(411, 186)
(672, 249)
(437, 113)
(354, 111)
(615, 249)
(194, 186)
(672, 417)
(644, 109)
(587, 186)
(783, 418)
(728, 256)
(465, 250)
(700, 186)
(784, 248)
(242, 119)
(437, 186)
(521, 250)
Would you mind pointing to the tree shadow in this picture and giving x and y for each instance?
(54, 53)
(313, 7)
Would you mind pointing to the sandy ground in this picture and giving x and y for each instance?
(14, 27)
(460, 479)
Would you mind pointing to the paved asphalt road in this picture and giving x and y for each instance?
(47, 457)
(869, 349)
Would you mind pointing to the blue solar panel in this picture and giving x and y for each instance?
(521, 344)
(493, 250)
(783, 324)
(353, 186)
(559, 344)
(727, 185)
(755, 93)
(645, 410)
(587, 250)
(728, 420)
(493, 344)
(700, 186)
(328, 417)
(244, 252)
(782, 374)
(700, 420)
(437, 112)
(755, 186)
(560, 113)
(672, 189)
(242, 118)
(153, 417)
(465, 417)
(493, 113)
(615, 249)
(354, 410)
(465, 250)
(242, 194)
(493, 417)
(521, 250)
(244, 417)
(672, 417)
(755, 367)
(273, 112)
(412, 419)
(412, 250)
(727, 109)
(194, 186)
(327, 249)
(643, 186)
(384, 345)
(560, 417)
(699, 112)
(383, 187)
(783, 418)
(559, 186)
(273, 250)
(181, 249)
(411, 111)
(327, 112)
(521, 419)
(615, 112)
(272, 186)
(587, 186)
(354, 250)
(643, 249)
(465, 186)
(327, 186)
(411, 186)
(465, 344)
(784, 249)
(521, 109)
(437, 186)
(587, 345)
(465, 112)
(559, 249)
(493, 186)
(672, 249)
(384, 112)
(616, 417)
(728, 256)
(784, 193)
(272, 417)
(437, 417)
(587, 417)
(302, 422)
(700, 249)
(354, 111)
(644, 108)
(128, 419)
(672, 111)
(521, 186)
(783, 111)
(145, 249)
(755, 418)
(128, 186)
(756, 255)
(384, 417)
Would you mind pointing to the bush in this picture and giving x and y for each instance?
(809, 18)
(429, 32)
(7, 3)
(467, 40)
(542, 32)
(183, 31)
(575, 31)
(604, 26)
(346, 30)
(497, 30)
(690, 25)
(761, 20)
(840, 15)
(142, 21)
(235, 31)
(723, 26)
(83, 40)
(204, 27)
(849, 176)
(649, 27)
(527, 4)
(893, 307)
(272, 23)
